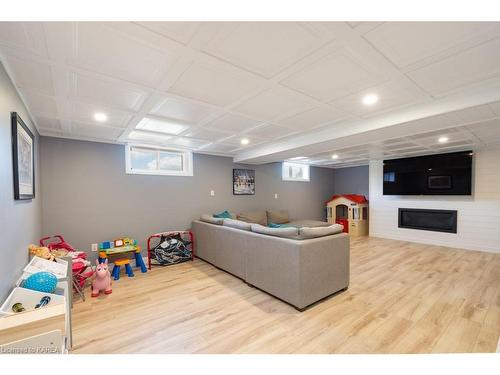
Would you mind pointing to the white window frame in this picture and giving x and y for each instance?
(286, 178)
(187, 161)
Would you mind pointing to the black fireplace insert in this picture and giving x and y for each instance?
(433, 220)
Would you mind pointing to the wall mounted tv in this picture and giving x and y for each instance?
(442, 174)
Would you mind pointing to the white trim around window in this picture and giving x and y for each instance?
(158, 161)
(295, 172)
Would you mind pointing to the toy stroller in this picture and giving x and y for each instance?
(80, 265)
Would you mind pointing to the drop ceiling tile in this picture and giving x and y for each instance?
(390, 94)
(495, 107)
(487, 132)
(218, 148)
(405, 43)
(190, 143)
(103, 48)
(84, 112)
(31, 75)
(312, 118)
(180, 31)
(183, 110)
(41, 104)
(465, 68)
(217, 84)
(233, 123)
(274, 103)
(235, 140)
(95, 132)
(270, 131)
(208, 134)
(264, 48)
(334, 76)
(47, 123)
(475, 114)
(24, 35)
(108, 92)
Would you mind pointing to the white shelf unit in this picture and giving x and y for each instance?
(43, 328)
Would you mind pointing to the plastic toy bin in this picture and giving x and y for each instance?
(29, 299)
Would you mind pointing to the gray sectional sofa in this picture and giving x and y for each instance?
(298, 270)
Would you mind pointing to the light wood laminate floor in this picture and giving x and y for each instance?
(403, 298)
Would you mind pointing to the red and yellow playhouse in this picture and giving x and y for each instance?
(350, 210)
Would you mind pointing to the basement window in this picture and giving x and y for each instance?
(158, 161)
(295, 172)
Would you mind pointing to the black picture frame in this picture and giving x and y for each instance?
(243, 181)
(23, 159)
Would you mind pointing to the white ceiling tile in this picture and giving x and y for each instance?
(335, 75)
(391, 95)
(216, 84)
(31, 75)
(270, 131)
(189, 142)
(180, 31)
(208, 134)
(312, 118)
(108, 92)
(84, 112)
(102, 48)
(495, 107)
(405, 43)
(487, 132)
(218, 148)
(236, 140)
(466, 68)
(183, 110)
(475, 114)
(24, 35)
(265, 48)
(48, 123)
(96, 132)
(233, 123)
(41, 104)
(274, 103)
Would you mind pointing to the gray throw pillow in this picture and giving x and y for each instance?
(278, 217)
(256, 217)
(306, 232)
(210, 219)
(287, 232)
(238, 224)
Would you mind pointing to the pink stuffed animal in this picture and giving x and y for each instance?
(102, 279)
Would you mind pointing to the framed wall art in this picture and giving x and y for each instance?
(23, 157)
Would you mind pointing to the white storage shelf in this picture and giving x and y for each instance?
(29, 327)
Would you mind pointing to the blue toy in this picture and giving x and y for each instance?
(41, 281)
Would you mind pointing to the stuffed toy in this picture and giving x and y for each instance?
(41, 251)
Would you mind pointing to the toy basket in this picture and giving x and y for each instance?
(173, 247)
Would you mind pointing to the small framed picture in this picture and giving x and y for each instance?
(23, 157)
(243, 182)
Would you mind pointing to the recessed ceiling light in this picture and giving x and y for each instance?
(370, 99)
(245, 141)
(298, 158)
(443, 139)
(100, 117)
(335, 156)
(161, 126)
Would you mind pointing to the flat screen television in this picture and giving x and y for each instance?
(442, 174)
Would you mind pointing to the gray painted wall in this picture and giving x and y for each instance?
(88, 197)
(20, 221)
(354, 180)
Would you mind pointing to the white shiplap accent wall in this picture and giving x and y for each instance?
(478, 226)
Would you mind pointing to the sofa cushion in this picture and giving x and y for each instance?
(255, 217)
(212, 220)
(307, 232)
(308, 223)
(238, 224)
(287, 232)
(278, 217)
(223, 215)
